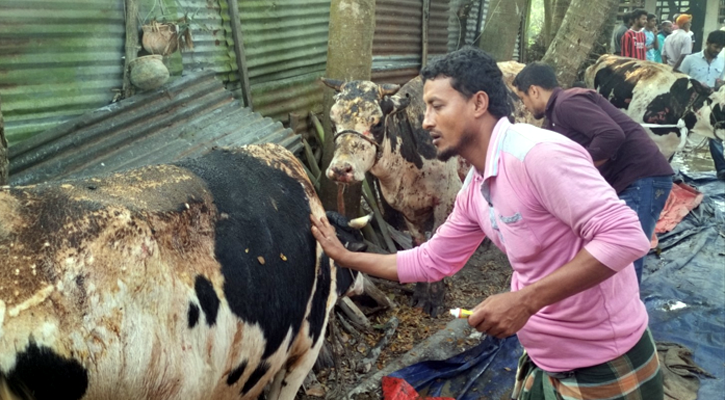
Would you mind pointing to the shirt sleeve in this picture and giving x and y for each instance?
(626, 45)
(686, 65)
(581, 115)
(573, 190)
(447, 251)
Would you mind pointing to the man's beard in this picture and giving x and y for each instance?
(465, 141)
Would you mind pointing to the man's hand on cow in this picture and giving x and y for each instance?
(326, 236)
(500, 315)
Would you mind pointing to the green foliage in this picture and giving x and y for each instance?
(536, 21)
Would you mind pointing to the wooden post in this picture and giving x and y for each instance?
(239, 52)
(349, 57)
(131, 44)
(4, 167)
(424, 38)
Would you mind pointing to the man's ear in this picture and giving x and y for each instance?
(481, 101)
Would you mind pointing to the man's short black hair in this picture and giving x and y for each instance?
(638, 13)
(651, 16)
(626, 17)
(538, 74)
(472, 70)
(716, 37)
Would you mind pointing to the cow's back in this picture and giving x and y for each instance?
(159, 282)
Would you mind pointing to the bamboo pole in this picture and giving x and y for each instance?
(425, 23)
(241, 57)
(131, 45)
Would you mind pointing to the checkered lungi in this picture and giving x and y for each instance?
(633, 376)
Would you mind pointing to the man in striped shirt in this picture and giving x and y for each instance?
(634, 40)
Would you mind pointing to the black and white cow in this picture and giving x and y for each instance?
(199, 280)
(652, 93)
(378, 129)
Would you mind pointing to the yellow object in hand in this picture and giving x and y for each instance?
(461, 312)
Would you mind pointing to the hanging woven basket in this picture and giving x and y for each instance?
(160, 38)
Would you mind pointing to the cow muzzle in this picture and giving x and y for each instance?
(341, 172)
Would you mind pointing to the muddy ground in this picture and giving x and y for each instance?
(487, 272)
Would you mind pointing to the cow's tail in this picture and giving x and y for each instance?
(11, 392)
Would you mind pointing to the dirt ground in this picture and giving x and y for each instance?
(487, 272)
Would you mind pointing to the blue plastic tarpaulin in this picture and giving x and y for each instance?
(684, 291)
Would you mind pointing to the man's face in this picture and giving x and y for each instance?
(667, 28)
(448, 115)
(713, 49)
(651, 23)
(533, 102)
(640, 22)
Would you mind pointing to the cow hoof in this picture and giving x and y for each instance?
(429, 296)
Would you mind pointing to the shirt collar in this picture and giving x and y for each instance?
(550, 104)
(493, 155)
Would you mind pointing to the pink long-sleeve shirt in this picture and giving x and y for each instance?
(541, 200)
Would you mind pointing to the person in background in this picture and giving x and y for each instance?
(679, 43)
(652, 43)
(621, 150)
(665, 30)
(634, 40)
(708, 66)
(619, 32)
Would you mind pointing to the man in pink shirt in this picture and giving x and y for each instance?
(574, 300)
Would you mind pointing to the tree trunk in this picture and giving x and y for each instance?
(4, 166)
(559, 12)
(349, 57)
(547, 32)
(502, 28)
(582, 25)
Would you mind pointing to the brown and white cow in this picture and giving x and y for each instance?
(378, 129)
(652, 93)
(199, 280)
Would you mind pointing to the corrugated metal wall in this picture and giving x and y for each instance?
(440, 11)
(286, 50)
(58, 59)
(397, 42)
(212, 37)
(454, 25)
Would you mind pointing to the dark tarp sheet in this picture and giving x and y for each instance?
(683, 289)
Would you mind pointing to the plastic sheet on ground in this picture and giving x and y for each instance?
(683, 289)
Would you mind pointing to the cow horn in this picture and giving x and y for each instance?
(359, 223)
(333, 83)
(388, 89)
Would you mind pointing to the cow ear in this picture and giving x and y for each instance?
(394, 104)
(333, 83)
(700, 88)
(388, 89)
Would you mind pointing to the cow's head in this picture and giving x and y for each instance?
(709, 120)
(358, 116)
(349, 282)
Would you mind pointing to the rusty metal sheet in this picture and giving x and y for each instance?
(440, 11)
(185, 118)
(58, 59)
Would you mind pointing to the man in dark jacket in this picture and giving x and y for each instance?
(620, 148)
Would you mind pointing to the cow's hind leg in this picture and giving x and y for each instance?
(295, 374)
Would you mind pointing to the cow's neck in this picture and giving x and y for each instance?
(392, 170)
